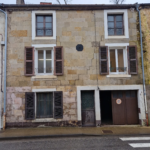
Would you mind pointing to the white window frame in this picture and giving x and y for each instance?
(43, 47)
(125, 21)
(117, 46)
(34, 13)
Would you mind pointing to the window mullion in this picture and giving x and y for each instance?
(116, 54)
(44, 61)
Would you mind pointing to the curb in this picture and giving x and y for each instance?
(66, 136)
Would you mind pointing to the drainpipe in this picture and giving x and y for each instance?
(141, 41)
(5, 66)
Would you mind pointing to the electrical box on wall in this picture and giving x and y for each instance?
(3, 43)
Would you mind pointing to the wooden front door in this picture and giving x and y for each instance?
(124, 107)
(119, 112)
(88, 109)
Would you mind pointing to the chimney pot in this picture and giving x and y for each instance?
(44, 3)
(20, 2)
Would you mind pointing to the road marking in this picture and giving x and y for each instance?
(139, 145)
(135, 138)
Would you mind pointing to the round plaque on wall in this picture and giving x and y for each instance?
(79, 47)
(118, 101)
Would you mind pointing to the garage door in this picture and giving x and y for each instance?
(124, 107)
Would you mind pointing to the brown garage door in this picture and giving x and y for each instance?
(124, 107)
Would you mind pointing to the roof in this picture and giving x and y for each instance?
(70, 7)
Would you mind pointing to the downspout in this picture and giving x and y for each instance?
(5, 66)
(141, 42)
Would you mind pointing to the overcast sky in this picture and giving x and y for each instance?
(74, 1)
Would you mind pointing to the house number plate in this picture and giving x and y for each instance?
(118, 101)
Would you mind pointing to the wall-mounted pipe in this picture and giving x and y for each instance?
(141, 42)
(5, 67)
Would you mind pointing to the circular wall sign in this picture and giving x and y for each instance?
(118, 101)
(79, 47)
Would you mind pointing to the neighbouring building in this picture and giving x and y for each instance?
(145, 20)
(73, 65)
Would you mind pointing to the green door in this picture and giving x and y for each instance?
(88, 109)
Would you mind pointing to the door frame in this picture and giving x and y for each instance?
(140, 99)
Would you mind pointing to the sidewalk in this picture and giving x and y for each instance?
(24, 133)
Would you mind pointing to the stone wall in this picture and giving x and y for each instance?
(2, 35)
(145, 19)
(80, 68)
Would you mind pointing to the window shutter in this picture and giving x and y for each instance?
(29, 61)
(58, 60)
(58, 105)
(103, 60)
(29, 105)
(132, 60)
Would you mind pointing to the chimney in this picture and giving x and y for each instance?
(44, 3)
(20, 2)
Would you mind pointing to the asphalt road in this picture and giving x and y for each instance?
(77, 143)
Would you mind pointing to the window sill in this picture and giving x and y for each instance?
(44, 38)
(118, 76)
(44, 77)
(45, 120)
(116, 37)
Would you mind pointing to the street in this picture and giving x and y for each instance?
(79, 143)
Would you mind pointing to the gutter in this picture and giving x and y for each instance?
(5, 67)
(141, 42)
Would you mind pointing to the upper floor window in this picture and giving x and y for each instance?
(44, 62)
(44, 25)
(118, 58)
(115, 25)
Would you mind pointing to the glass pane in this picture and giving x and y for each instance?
(48, 61)
(48, 19)
(120, 61)
(118, 24)
(40, 61)
(111, 31)
(40, 32)
(110, 24)
(119, 31)
(115, 94)
(128, 94)
(119, 18)
(40, 19)
(110, 18)
(40, 25)
(48, 32)
(87, 100)
(120, 94)
(48, 105)
(112, 61)
(133, 94)
(40, 105)
(48, 25)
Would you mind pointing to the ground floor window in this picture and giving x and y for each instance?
(44, 104)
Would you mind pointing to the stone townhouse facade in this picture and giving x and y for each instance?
(73, 65)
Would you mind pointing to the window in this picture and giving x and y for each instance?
(44, 25)
(117, 61)
(44, 62)
(44, 105)
(115, 25)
